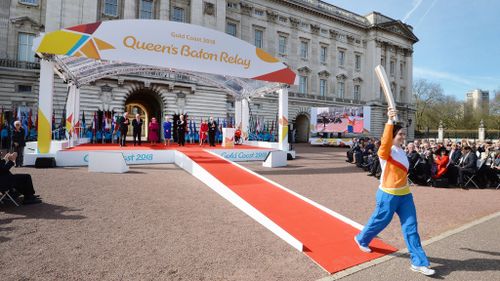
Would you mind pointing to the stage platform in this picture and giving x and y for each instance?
(147, 153)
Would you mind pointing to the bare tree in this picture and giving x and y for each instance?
(426, 94)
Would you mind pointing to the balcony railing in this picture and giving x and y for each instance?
(19, 64)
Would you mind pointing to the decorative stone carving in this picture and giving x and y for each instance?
(341, 77)
(333, 33)
(357, 80)
(304, 70)
(106, 97)
(350, 39)
(272, 16)
(180, 100)
(315, 28)
(246, 8)
(294, 21)
(20, 21)
(208, 8)
(323, 74)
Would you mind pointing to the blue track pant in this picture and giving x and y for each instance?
(387, 205)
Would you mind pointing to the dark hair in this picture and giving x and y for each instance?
(395, 129)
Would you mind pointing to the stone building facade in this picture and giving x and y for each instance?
(334, 52)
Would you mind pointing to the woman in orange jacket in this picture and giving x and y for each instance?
(394, 196)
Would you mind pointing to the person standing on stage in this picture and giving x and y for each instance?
(154, 130)
(18, 142)
(123, 123)
(167, 130)
(212, 129)
(181, 130)
(203, 132)
(137, 129)
(394, 196)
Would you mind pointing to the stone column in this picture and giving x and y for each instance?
(196, 12)
(221, 15)
(130, 9)
(164, 10)
(441, 132)
(481, 131)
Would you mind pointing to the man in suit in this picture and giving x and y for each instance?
(21, 182)
(455, 154)
(123, 123)
(466, 165)
(137, 129)
(181, 130)
(18, 142)
(212, 129)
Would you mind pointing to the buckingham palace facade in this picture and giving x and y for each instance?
(332, 50)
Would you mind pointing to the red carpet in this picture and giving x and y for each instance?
(111, 147)
(327, 240)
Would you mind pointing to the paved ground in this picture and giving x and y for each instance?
(159, 223)
(473, 254)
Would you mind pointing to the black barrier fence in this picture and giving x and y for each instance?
(458, 134)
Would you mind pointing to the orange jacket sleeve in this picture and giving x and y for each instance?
(384, 150)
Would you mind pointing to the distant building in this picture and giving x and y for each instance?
(477, 102)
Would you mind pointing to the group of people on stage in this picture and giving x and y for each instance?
(437, 164)
(208, 130)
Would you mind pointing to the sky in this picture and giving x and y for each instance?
(459, 45)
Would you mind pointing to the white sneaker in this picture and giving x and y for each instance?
(362, 248)
(425, 270)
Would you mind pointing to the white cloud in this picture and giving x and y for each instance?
(416, 4)
(440, 75)
(484, 82)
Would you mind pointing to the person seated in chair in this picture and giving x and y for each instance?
(20, 182)
(466, 165)
(442, 160)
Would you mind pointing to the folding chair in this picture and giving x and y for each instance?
(5, 194)
(470, 178)
(498, 176)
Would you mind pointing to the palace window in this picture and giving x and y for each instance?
(232, 5)
(24, 48)
(391, 67)
(341, 89)
(146, 9)
(323, 54)
(322, 87)
(259, 37)
(357, 92)
(357, 63)
(29, 2)
(111, 8)
(179, 15)
(303, 84)
(282, 45)
(341, 57)
(231, 29)
(259, 12)
(304, 49)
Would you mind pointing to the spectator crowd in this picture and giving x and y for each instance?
(461, 164)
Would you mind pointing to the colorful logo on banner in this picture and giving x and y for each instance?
(75, 41)
(284, 129)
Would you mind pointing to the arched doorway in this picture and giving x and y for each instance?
(147, 104)
(302, 126)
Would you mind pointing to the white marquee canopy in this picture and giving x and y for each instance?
(86, 53)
